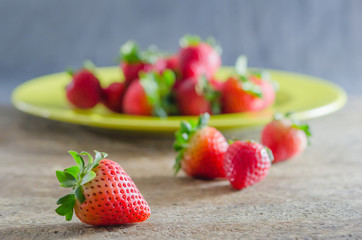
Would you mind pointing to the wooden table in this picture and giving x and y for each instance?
(316, 196)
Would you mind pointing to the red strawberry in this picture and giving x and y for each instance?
(197, 58)
(247, 92)
(135, 100)
(133, 61)
(285, 138)
(103, 193)
(246, 163)
(200, 149)
(113, 96)
(131, 70)
(197, 96)
(150, 95)
(84, 91)
(172, 63)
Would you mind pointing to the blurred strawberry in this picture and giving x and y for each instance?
(150, 95)
(197, 58)
(133, 61)
(246, 92)
(285, 137)
(113, 96)
(197, 96)
(84, 91)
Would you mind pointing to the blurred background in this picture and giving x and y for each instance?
(320, 38)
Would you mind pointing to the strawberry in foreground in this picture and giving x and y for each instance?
(197, 58)
(285, 137)
(84, 91)
(200, 149)
(103, 193)
(246, 92)
(246, 163)
(197, 96)
(150, 95)
(113, 96)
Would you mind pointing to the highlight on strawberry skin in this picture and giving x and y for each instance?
(102, 193)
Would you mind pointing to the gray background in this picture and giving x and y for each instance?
(317, 37)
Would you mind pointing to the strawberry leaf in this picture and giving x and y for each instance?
(89, 65)
(78, 159)
(79, 193)
(252, 89)
(74, 171)
(189, 40)
(66, 203)
(130, 52)
(66, 179)
(88, 177)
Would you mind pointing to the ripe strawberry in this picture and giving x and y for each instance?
(134, 61)
(103, 193)
(247, 92)
(197, 96)
(285, 138)
(198, 58)
(246, 163)
(135, 100)
(84, 91)
(200, 149)
(150, 95)
(113, 96)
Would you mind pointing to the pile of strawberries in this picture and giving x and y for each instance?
(203, 152)
(180, 84)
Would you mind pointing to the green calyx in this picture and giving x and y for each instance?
(204, 88)
(158, 91)
(75, 177)
(295, 123)
(87, 65)
(194, 40)
(183, 136)
(244, 74)
(131, 53)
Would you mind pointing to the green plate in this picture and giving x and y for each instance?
(308, 97)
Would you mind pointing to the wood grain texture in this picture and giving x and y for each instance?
(316, 196)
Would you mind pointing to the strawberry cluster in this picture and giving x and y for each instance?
(184, 83)
(203, 152)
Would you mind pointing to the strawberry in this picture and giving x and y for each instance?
(133, 61)
(246, 92)
(197, 96)
(246, 163)
(113, 96)
(103, 193)
(84, 91)
(200, 149)
(150, 95)
(285, 137)
(197, 58)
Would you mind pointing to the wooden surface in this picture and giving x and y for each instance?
(316, 196)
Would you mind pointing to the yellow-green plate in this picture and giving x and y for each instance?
(308, 97)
